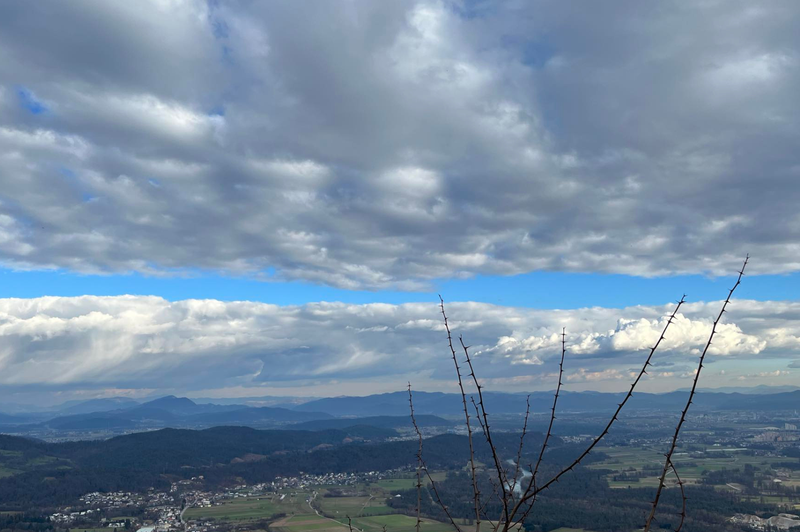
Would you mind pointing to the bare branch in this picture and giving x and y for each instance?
(682, 419)
(419, 459)
(533, 492)
(475, 491)
(522, 440)
(504, 473)
(555, 403)
(495, 494)
(683, 496)
(532, 483)
(501, 476)
(421, 464)
(478, 414)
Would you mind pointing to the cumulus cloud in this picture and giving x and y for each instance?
(130, 342)
(628, 335)
(386, 144)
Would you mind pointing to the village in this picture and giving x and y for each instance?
(156, 511)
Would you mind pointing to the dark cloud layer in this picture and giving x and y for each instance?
(383, 144)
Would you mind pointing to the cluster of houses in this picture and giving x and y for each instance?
(328, 479)
(66, 517)
(776, 522)
(165, 510)
(94, 505)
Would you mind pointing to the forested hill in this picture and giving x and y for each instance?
(170, 448)
(57, 473)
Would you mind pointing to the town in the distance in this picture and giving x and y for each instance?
(335, 464)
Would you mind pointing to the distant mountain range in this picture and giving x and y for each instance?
(761, 389)
(174, 411)
(444, 404)
(384, 422)
(385, 411)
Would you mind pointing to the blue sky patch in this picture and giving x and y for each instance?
(29, 101)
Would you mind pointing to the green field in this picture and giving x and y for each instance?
(397, 484)
(308, 521)
(630, 459)
(352, 506)
(367, 510)
(406, 483)
(398, 523)
(242, 509)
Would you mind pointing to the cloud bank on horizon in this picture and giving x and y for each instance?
(385, 144)
(108, 344)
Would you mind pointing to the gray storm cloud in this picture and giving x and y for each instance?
(141, 341)
(384, 144)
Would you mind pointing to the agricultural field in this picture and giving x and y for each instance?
(397, 484)
(398, 523)
(369, 512)
(366, 507)
(250, 508)
(637, 459)
(307, 522)
(353, 506)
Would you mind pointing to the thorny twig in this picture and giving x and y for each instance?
(532, 492)
(522, 441)
(501, 477)
(683, 496)
(555, 403)
(495, 493)
(495, 486)
(682, 419)
(419, 460)
(421, 463)
(475, 491)
(549, 433)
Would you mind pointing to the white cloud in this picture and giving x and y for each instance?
(128, 342)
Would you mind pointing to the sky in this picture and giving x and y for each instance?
(223, 199)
